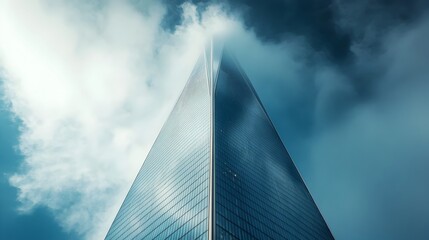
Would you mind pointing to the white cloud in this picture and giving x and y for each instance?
(92, 87)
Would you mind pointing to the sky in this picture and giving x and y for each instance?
(85, 87)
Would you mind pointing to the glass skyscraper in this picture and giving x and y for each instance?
(218, 169)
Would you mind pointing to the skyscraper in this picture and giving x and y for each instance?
(218, 169)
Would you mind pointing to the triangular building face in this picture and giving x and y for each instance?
(218, 169)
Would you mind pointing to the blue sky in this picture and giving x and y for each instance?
(91, 82)
(39, 224)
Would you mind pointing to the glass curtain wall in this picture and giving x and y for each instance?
(259, 193)
(169, 197)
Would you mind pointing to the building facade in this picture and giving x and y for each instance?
(218, 169)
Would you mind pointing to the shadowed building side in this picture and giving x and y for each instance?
(259, 192)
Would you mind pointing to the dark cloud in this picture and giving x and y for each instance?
(363, 18)
(329, 27)
(312, 20)
(342, 36)
(276, 21)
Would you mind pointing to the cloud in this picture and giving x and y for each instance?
(277, 21)
(92, 85)
(374, 161)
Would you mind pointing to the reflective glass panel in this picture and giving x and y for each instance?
(169, 197)
(258, 192)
